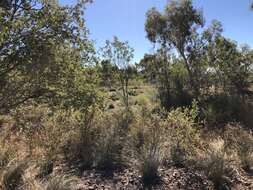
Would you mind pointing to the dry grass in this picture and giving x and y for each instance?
(217, 164)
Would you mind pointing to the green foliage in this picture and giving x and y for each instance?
(220, 109)
(120, 54)
(232, 65)
(53, 88)
(208, 63)
(148, 66)
(185, 138)
(42, 49)
(108, 73)
(176, 28)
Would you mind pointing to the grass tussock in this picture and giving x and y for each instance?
(12, 177)
(217, 164)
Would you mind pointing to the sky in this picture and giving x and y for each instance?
(126, 19)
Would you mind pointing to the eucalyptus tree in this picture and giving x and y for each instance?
(43, 50)
(120, 54)
(175, 29)
(232, 65)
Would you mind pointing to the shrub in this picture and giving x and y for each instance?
(125, 118)
(29, 118)
(59, 182)
(184, 136)
(29, 121)
(96, 140)
(143, 100)
(46, 167)
(220, 109)
(47, 141)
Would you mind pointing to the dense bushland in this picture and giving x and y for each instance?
(66, 109)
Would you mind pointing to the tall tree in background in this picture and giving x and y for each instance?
(43, 50)
(175, 29)
(120, 54)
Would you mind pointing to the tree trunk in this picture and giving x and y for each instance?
(192, 82)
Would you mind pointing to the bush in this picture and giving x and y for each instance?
(29, 122)
(29, 118)
(30, 180)
(95, 140)
(48, 140)
(59, 182)
(221, 109)
(184, 137)
(124, 118)
(143, 100)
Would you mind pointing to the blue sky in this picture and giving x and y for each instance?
(126, 19)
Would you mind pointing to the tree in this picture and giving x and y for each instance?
(107, 73)
(232, 65)
(175, 29)
(43, 50)
(120, 54)
(169, 74)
